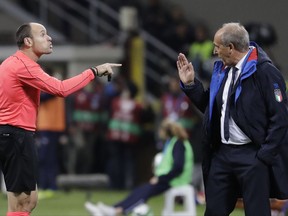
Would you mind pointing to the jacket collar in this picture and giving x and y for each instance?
(219, 71)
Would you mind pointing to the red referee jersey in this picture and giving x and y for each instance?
(21, 80)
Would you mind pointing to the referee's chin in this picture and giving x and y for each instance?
(49, 50)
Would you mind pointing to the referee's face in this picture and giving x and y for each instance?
(41, 42)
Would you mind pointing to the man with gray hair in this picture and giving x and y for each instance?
(245, 125)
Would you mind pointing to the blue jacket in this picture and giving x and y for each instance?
(259, 109)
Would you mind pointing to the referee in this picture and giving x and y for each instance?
(21, 81)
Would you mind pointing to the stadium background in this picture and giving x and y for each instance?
(79, 50)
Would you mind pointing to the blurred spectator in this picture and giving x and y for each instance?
(264, 35)
(114, 88)
(179, 33)
(201, 51)
(174, 169)
(68, 27)
(176, 15)
(177, 107)
(117, 4)
(180, 36)
(86, 131)
(30, 6)
(155, 18)
(51, 137)
(123, 136)
(147, 146)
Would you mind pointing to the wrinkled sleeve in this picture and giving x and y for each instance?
(33, 75)
(197, 94)
(273, 90)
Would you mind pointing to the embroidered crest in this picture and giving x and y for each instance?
(277, 93)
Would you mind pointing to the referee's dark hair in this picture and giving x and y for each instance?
(22, 32)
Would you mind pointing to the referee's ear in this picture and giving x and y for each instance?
(28, 41)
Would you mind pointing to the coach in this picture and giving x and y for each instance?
(246, 122)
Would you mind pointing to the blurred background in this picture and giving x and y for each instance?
(86, 136)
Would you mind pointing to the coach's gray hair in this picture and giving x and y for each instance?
(236, 34)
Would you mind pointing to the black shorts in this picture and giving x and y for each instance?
(18, 158)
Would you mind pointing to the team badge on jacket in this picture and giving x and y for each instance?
(277, 93)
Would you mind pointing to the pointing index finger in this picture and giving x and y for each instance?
(115, 65)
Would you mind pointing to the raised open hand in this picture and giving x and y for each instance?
(185, 69)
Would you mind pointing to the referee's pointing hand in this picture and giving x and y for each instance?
(106, 69)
